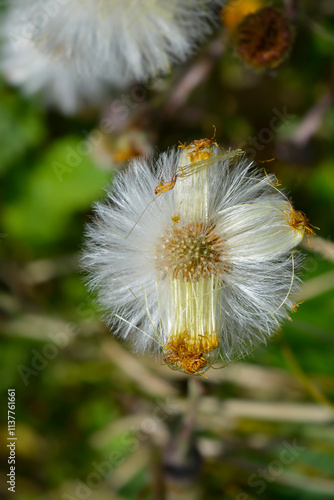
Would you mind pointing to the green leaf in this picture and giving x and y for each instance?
(64, 183)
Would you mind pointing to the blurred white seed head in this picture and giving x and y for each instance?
(112, 39)
(24, 63)
(193, 256)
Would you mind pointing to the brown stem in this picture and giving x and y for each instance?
(182, 460)
(312, 120)
(193, 77)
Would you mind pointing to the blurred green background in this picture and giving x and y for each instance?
(94, 421)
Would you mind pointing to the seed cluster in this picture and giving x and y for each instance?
(192, 252)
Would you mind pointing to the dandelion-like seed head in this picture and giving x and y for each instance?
(193, 257)
(49, 72)
(107, 40)
(264, 38)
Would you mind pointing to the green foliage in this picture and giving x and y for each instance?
(54, 191)
(22, 127)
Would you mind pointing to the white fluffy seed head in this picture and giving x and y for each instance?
(26, 64)
(115, 40)
(202, 269)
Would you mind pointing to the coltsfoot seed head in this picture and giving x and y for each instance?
(76, 48)
(192, 256)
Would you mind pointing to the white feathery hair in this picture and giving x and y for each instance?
(24, 64)
(118, 40)
(152, 259)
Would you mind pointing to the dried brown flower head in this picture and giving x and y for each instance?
(264, 38)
